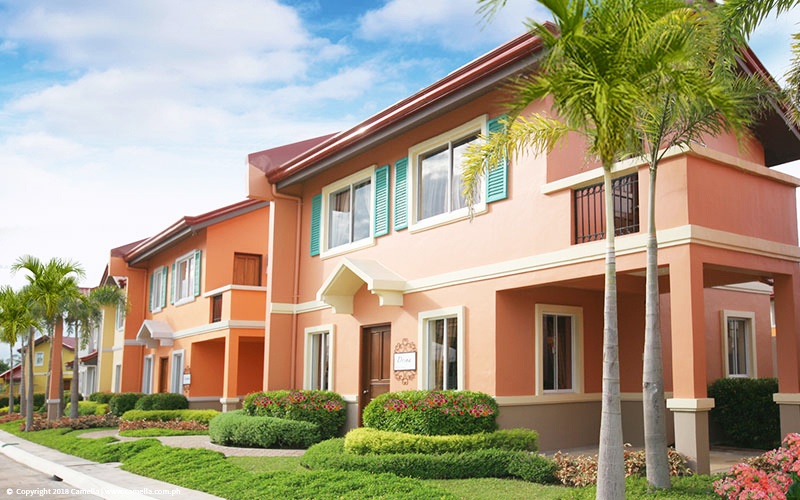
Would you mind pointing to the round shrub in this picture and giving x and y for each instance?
(432, 412)
(534, 468)
(324, 408)
(366, 440)
(744, 409)
(238, 429)
(124, 401)
(330, 454)
(100, 397)
(162, 401)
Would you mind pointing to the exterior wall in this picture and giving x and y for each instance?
(40, 372)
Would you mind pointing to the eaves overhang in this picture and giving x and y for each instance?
(351, 274)
(472, 80)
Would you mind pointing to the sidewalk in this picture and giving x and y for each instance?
(91, 478)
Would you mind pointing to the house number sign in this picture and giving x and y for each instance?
(405, 361)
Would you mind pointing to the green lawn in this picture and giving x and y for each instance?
(284, 477)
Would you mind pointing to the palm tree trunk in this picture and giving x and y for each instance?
(23, 403)
(54, 386)
(73, 392)
(11, 381)
(655, 435)
(29, 387)
(611, 459)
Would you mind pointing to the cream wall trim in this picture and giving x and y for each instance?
(752, 287)
(304, 307)
(631, 165)
(690, 404)
(350, 398)
(204, 399)
(786, 398)
(117, 348)
(133, 342)
(219, 325)
(559, 398)
(226, 401)
(226, 288)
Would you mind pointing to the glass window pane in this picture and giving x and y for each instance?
(564, 352)
(452, 353)
(434, 173)
(436, 354)
(361, 211)
(339, 218)
(459, 150)
(548, 352)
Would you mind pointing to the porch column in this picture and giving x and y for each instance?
(689, 404)
(54, 390)
(787, 333)
(230, 373)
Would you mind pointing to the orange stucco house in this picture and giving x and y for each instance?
(197, 297)
(378, 278)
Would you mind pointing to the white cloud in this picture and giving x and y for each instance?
(771, 42)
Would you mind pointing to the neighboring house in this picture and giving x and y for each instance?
(96, 353)
(380, 278)
(41, 358)
(197, 306)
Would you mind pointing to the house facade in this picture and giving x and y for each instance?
(380, 278)
(41, 361)
(196, 295)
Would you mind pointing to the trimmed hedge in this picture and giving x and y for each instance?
(162, 401)
(324, 408)
(124, 401)
(365, 440)
(432, 412)
(201, 416)
(88, 408)
(38, 400)
(745, 411)
(237, 429)
(480, 463)
(101, 397)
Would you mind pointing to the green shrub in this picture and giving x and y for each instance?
(324, 408)
(745, 411)
(124, 401)
(88, 408)
(479, 463)
(162, 401)
(202, 416)
(432, 412)
(100, 397)
(366, 440)
(534, 468)
(238, 429)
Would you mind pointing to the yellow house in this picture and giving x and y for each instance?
(41, 358)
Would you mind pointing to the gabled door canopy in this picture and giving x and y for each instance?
(350, 274)
(154, 333)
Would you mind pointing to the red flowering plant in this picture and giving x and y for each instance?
(325, 408)
(771, 475)
(432, 412)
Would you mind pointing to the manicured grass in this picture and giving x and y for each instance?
(268, 464)
(490, 488)
(155, 432)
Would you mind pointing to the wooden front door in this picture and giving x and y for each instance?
(376, 362)
(163, 375)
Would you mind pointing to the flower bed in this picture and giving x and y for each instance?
(767, 476)
(40, 422)
(324, 408)
(237, 429)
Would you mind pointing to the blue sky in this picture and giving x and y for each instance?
(117, 118)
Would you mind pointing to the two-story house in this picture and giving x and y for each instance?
(380, 278)
(196, 294)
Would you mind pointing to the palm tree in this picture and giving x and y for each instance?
(598, 70)
(50, 286)
(15, 319)
(85, 313)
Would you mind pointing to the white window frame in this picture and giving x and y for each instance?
(176, 371)
(147, 374)
(155, 297)
(749, 318)
(577, 346)
(310, 332)
(119, 318)
(355, 178)
(117, 377)
(39, 359)
(178, 298)
(459, 314)
(474, 126)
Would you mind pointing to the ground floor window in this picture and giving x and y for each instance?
(319, 358)
(117, 377)
(442, 339)
(87, 382)
(147, 375)
(177, 372)
(558, 348)
(738, 343)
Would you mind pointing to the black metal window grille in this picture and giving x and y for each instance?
(590, 222)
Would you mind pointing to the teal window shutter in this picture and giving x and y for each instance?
(401, 194)
(497, 178)
(152, 288)
(164, 287)
(316, 219)
(381, 220)
(197, 275)
(173, 291)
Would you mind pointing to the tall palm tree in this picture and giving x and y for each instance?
(15, 319)
(50, 286)
(600, 59)
(85, 313)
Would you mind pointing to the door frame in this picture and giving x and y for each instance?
(365, 352)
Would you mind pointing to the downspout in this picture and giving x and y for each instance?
(296, 285)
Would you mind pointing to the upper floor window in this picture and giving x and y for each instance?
(158, 288)
(186, 278)
(39, 361)
(120, 317)
(590, 219)
(246, 269)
